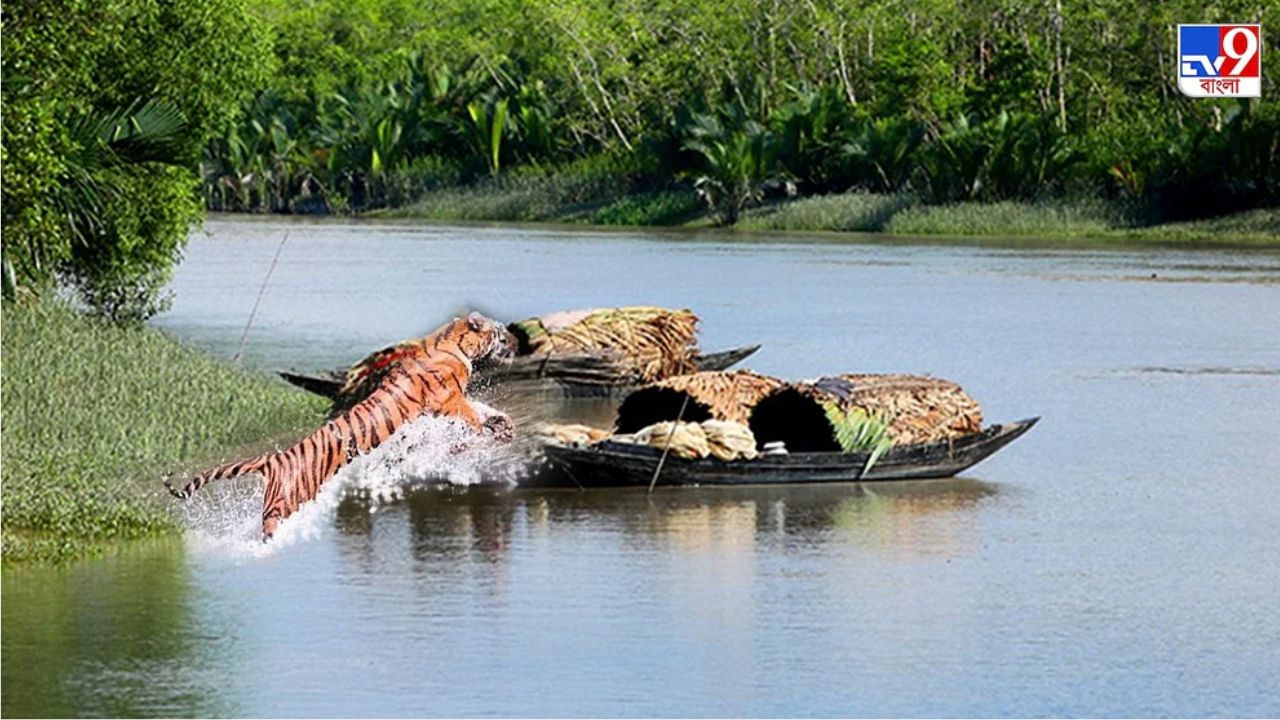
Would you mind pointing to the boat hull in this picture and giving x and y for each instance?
(618, 465)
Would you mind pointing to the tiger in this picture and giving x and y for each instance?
(429, 380)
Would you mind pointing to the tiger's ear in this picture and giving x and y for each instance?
(476, 321)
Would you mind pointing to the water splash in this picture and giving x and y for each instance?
(226, 518)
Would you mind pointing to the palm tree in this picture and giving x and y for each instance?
(488, 122)
(881, 153)
(104, 141)
(736, 163)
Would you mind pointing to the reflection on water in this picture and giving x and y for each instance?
(899, 521)
(108, 638)
(438, 531)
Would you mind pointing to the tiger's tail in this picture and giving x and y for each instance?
(245, 467)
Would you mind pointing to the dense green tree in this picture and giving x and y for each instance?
(990, 99)
(356, 104)
(107, 107)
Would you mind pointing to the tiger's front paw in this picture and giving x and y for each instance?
(501, 427)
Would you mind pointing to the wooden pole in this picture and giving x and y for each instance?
(662, 461)
(244, 337)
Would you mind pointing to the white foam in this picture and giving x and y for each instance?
(225, 517)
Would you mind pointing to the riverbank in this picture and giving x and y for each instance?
(94, 414)
(563, 200)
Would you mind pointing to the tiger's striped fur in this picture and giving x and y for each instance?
(429, 380)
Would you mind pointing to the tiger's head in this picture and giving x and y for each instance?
(481, 338)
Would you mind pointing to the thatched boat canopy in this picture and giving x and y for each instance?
(919, 409)
(715, 395)
(650, 342)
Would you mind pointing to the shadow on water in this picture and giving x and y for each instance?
(108, 638)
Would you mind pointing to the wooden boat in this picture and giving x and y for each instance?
(613, 464)
(575, 375)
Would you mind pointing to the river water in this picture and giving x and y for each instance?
(1121, 559)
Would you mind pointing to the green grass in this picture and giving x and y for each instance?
(516, 198)
(569, 193)
(1006, 219)
(668, 207)
(848, 212)
(599, 194)
(1252, 227)
(94, 414)
(1087, 220)
(510, 201)
(1092, 219)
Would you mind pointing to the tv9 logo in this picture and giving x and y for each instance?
(1220, 60)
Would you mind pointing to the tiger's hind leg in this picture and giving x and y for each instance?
(274, 508)
(269, 524)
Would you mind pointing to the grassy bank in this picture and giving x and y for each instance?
(1086, 219)
(1094, 221)
(596, 190)
(577, 200)
(94, 414)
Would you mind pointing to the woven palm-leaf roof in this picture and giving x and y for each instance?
(712, 395)
(650, 342)
(918, 409)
